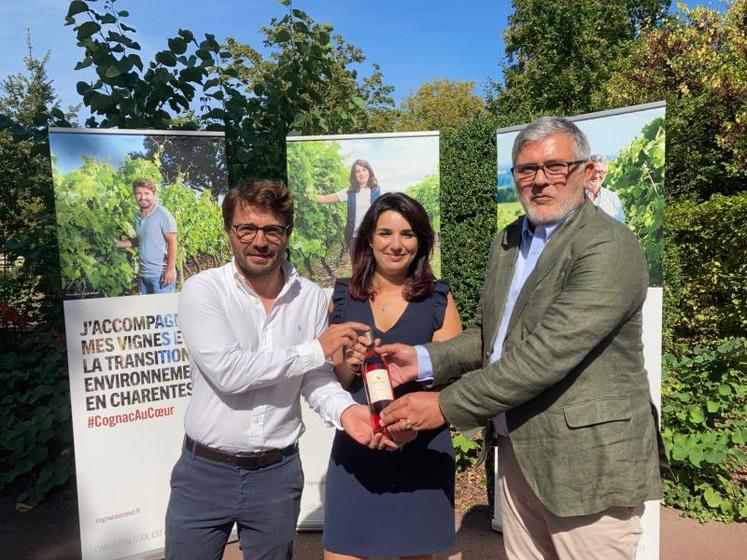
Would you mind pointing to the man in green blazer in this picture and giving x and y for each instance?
(554, 364)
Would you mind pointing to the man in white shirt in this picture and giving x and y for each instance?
(257, 336)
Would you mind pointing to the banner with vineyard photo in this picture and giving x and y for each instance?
(627, 146)
(137, 214)
(324, 170)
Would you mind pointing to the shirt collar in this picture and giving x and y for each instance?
(290, 277)
(155, 207)
(547, 230)
(543, 232)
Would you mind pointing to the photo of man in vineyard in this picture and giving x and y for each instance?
(602, 197)
(121, 198)
(155, 240)
(627, 180)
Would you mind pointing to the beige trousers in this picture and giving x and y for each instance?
(530, 531)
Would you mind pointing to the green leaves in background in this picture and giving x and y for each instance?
(35, 429)
(637, 176)
(307, 84)
(704, 406)
(318, 243)
(468, 173)
(707, 268)
(466, 450)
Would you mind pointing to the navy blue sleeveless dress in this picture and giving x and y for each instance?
(391, 503)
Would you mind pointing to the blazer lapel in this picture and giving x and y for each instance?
(501, 273)
(548, 259)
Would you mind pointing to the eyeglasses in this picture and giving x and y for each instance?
(526, 172)
(247, 232)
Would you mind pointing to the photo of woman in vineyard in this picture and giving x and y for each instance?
(333, 187)
(363, 189)
(120, 200)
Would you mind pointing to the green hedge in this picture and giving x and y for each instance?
(35, 428)
(704, 392)
(468, 222)
(706, 298)
(468, 191)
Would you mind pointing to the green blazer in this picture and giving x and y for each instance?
(571, 376)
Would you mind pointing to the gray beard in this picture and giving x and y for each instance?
(560, 212)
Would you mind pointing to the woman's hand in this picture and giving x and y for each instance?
(353, 356)
(383, 441)
(349, 360)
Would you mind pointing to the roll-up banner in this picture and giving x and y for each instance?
(121, 275)
(627, 146)
(321, 175)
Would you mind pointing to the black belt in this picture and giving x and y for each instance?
(251, 461)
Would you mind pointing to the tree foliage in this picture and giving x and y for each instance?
(439, 105)
(560, 52)
(35, 431)
(698, 64)
(645, 14)
(305, 86)
(709, 299)
(28, 104)
(29, 95)
(199, 161)
(557, 54)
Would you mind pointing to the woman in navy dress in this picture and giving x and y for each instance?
(391, 503)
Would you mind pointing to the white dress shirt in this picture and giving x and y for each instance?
(249, 367)
(610, 203)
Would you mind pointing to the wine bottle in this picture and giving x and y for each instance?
(375, 373)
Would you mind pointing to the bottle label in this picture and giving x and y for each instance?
(379, 388)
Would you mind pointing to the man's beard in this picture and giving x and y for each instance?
(594, 186)
(543, 217)
(250, 270)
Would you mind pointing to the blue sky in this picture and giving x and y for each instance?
(70, 148)
(414, 40)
